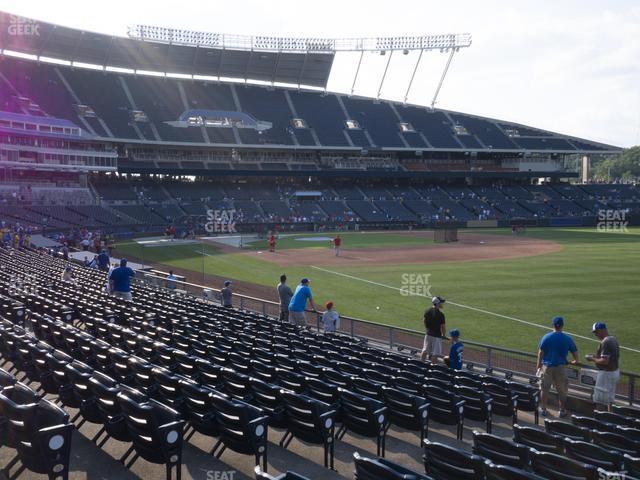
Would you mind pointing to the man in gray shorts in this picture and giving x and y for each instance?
(284, 293)
(607, 360)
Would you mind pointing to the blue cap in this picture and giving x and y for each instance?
(304, 280)
(557, 322)
(454, 333)
(599, 326)
(227, 283)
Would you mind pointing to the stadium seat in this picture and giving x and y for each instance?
(407, 411)
(504, 472)
(528, 398)
(449, 463)
(585, 452)
(616, 419)
(632, 465)
(243, 428)
(477, 405)
(310, 421)
(537, 439)
(500, 450)
(381, 469)
(626, 411)
(505, 402)
(615, 441)
(556, 467)
(156, 431)
(365, 416)
(6, 378)
(261, 475)
(445, 407)
(567, 430)
(43, 440)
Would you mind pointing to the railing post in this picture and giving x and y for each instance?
(489, 359)
(632, 389)
(351, 321)
(391, 335)
(264, 308)
(241, 303)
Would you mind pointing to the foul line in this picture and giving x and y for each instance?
(468, 307)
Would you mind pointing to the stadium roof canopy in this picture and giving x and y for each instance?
(29, 36)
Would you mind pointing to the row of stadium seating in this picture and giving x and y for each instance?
(148, 203)
(113, 98)
(144, 370)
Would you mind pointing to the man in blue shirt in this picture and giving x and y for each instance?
(298, 303)
(552, 361)
(103, 261)
(120, 281)
(456, 350)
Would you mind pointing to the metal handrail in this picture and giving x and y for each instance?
(389, 340)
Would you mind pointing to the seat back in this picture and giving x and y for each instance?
(500, 450)
(308, 419)
(568, 430)
(552, 465)
(504, 472)
(585, 452)
(537, 439)
(381, 469)
(448, 463)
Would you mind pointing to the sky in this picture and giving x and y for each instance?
(569, 66)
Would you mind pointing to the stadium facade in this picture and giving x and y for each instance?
(87, 105)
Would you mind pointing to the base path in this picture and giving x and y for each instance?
(470, 246)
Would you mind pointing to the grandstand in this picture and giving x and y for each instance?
(138, 136)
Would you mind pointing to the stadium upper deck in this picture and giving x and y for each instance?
(144, 109)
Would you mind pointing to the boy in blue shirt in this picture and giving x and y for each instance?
(455, 353)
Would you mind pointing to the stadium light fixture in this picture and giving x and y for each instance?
(178, 36)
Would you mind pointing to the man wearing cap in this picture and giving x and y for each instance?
(120, 281)
(552, 361)
(226, 295)
(434, 323)
(298, 303)
(455, 352)
(607, 359)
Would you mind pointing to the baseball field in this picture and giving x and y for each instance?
(501, 289)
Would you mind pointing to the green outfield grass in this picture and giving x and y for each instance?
(595, 277)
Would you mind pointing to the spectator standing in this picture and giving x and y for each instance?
(171, 281)
(67, 274)
(552, 360)
(298, 303)
(456, 351)
(120, 281)
(65, 252)
(330, 318)
(434, 323)
(607, 360)
(284, 294)
(103, 261)
(226, 295)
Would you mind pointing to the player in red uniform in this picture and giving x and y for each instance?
(337, 242)
(272, 243)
